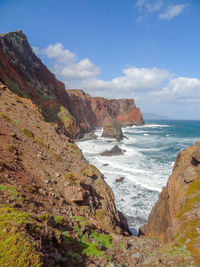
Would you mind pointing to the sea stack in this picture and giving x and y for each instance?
(113, 130)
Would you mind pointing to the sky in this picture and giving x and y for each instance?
(142, 49)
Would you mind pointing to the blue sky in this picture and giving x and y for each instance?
(144, 49)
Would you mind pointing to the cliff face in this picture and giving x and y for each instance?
(98, 111)
(24, 73)
(55, 208)
(176, 215)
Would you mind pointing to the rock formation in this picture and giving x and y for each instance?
(76, 112)
(98, 111)
(113, 130)
(115, 151)
(55, 208)
(176, 215)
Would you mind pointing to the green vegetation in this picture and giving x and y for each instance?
(121, 245)
(65, 116)
(11, 190)
(179, 250)
(59, 219)
(27, 133)
(194, 187)
(189, 204)
(91, 243)
(82, 221)
(16, 249)
(92, 250)
(104, 240)
(16, 121)
(15, 88)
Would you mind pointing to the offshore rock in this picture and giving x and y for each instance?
(113, 130)
(115, 151)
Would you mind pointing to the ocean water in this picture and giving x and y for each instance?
(151, 151)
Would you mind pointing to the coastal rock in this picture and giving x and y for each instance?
(75, 111)
(115, 151)
(176, 215)
(196, 155)
(113, 130)
(119, 180)
(98, 111)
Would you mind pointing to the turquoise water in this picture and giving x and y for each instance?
(151, 151)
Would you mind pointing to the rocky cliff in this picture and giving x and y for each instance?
(24, 73)
(55, 208)
(176, 215)
(99, 111)
(76, 112)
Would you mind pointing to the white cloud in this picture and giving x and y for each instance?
(58, 52)
(181, 90)
(140, 3)
(154, 6)
(66, 64)
(159, 7)
(147, 85)
(133, 80)
(82, 70)
(171, 12)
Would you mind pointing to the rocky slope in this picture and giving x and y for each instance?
(24, 73)
(55, 208)
(176, 215)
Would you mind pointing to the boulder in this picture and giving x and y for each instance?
(115, 151)
(119, 180)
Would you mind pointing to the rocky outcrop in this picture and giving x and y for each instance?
(98, 111)
(76, 112)
(113, 130)
(24, 73)
(176, 215)
(115, 151)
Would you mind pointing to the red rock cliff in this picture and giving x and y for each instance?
(98, 111)
(76, 112)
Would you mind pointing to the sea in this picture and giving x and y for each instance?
(151, 151)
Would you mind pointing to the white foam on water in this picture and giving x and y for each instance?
(150, 126)
(146, 166)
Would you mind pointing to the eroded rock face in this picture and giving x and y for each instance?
(113, 130)
(176, 215)
(24, 73)
(77, 113)
(98, 111)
